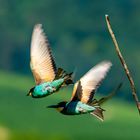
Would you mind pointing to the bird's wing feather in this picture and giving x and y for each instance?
(42, 63)
(85, 88)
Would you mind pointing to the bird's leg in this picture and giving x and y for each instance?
(53, 88)
(50, 88)
(81, 110)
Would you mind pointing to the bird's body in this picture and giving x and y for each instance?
(82, 101)
(48, 77)
(47, 88)
(77, 107)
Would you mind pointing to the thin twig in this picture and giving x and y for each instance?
(123, 63)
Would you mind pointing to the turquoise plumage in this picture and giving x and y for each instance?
(48, 78)
(46, 88)
(77, 107)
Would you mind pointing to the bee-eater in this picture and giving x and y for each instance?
(82, 101)
(48, 78)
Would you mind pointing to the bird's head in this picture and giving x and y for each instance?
(30, 91)
(60, 106)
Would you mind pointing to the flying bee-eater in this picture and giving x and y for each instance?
(48, 78)
(82, 101)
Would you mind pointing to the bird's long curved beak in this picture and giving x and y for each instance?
(52, 106)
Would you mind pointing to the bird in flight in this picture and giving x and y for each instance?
(82, 101)
(48, 77)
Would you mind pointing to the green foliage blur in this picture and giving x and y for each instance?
(79, 39)
(77, 33)
(25, 118)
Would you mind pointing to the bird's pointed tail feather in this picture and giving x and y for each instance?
(98, 113)
(68, 77)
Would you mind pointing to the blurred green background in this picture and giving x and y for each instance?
(79, 39)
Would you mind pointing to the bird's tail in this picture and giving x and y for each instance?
(68, 77)
(98, 113)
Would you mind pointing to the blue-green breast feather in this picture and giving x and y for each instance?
(77, 107)
(47, 88)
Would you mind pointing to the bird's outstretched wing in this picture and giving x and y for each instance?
(42, 63)
(85, 88)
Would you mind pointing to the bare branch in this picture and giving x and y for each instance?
(123, 63)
